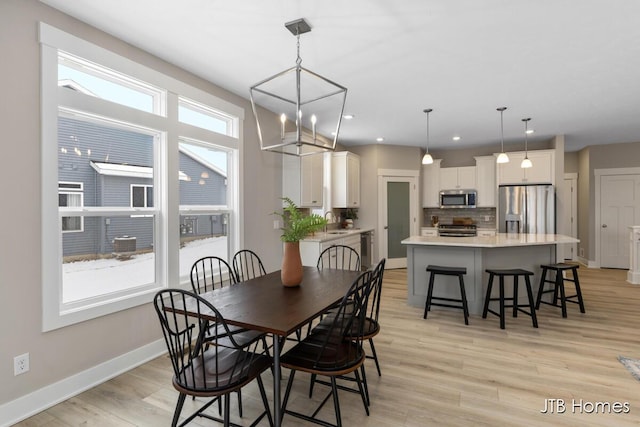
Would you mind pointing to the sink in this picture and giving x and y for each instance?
(337, 232)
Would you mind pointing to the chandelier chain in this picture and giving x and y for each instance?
(298, 59)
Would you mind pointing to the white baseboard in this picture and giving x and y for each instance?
(39, 400)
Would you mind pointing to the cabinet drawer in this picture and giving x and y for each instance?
(429, 232)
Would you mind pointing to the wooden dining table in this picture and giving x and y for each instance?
(264, 304)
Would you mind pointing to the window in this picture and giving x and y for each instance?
(109, 227)
(141, 196)
(70, 196)
(204, 208)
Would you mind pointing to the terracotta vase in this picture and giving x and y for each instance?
(291, 272)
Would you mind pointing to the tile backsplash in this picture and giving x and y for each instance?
(483, 217)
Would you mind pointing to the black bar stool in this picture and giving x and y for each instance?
(558, 286)
(515, 273)
(447, 271)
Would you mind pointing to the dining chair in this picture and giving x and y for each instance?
(211, 272)
(371, 324)
(371, 327)
(339, 256)
(247, 265)
(334, 351)
(212, 371)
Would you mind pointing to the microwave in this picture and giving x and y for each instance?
(460, 199)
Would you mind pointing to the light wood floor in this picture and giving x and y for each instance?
(439, 372)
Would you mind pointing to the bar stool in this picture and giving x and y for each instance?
(447, 271)
(558, 287)
(515, 273)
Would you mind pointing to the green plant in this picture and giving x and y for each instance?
(296, 225)
(351, 213)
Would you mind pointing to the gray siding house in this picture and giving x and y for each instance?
(103, 166)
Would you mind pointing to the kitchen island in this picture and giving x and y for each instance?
(476, 254)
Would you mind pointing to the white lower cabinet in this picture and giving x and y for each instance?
(311, 250)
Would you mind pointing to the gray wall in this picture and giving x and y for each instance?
(372, 158)
(55, 355)
(610, 156)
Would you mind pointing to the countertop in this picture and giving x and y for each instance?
(335, 234)
(500, 240)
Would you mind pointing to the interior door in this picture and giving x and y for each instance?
(399, 218)
(619, 206)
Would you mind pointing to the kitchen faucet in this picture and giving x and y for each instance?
(328, 220)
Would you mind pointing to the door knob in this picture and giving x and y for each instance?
(604, 225)
(386, 227)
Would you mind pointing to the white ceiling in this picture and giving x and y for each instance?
(573, 66)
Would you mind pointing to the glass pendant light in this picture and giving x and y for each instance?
(526, 163)
(427, 159)
(502, 158)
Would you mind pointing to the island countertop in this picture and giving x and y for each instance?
(323, 236)
(500, 240)
(476, 254)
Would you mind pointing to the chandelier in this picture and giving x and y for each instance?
(298, 112)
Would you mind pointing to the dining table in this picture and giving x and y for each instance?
(265, 304)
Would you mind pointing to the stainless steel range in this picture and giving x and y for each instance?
(457, 230)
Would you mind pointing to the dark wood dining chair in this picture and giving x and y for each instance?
(333, 352)
(247, 265)
(212, 371)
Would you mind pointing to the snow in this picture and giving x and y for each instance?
(86, 279)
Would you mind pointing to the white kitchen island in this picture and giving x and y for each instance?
(477, 254)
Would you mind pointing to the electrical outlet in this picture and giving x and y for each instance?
(276, 224)
(21, 364)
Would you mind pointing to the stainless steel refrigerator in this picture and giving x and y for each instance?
(527, 209)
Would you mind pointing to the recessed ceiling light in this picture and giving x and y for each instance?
(456, 138)
(348, 116)
(379, 139)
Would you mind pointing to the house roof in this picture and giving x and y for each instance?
(117, 169)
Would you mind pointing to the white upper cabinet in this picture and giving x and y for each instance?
(302, 179)
(486, 181)
(542, 172)
(345, 180)
(431, 184)
(458, 178)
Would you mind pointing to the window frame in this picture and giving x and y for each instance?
(166, 167)
(76, 192)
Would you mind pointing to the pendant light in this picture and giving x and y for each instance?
(502, 158)
(427, 159)
(307, 105)
(526, 163)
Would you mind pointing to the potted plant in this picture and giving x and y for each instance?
(296, 226)
(350, 215)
